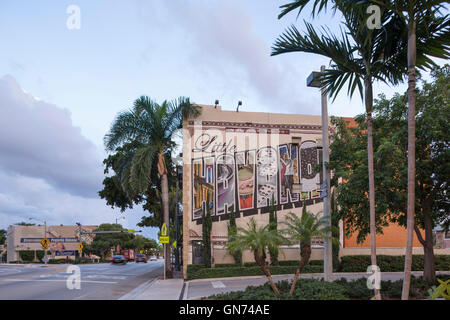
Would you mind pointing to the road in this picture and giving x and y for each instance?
(98, 281)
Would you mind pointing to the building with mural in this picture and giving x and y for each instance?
(239, 162)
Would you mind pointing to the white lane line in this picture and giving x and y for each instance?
(218, 284)
(54, 280)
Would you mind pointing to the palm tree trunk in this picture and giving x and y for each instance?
(165, 203)
(305, 253)
(411, 155)
(261, 262)
(369, 102)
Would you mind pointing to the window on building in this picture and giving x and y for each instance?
(447, 235)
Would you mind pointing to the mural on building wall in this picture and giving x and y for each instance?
(203, 185)
(225, 183)
(245, 168)
(309, 179)
(288, 169)
(249, 179)
(267, 169)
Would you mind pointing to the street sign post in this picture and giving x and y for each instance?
(45, 242)
(164, 238)
(80, 247)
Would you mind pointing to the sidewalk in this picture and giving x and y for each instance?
(158, 289)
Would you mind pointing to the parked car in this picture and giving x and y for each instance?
(152, 258)
(141, 257)
(118, 259)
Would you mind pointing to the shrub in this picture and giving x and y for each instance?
(201, 272)
(359, 263)
(40, 254)
(26, 255)
(312, 289)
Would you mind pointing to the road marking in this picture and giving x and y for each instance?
(218, 284)
(54, 280)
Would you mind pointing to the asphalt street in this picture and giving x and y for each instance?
(97, 281)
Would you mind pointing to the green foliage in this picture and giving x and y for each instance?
(232, 231)
(40, 254)
(206, 234)
(26, 255)
(102, 243)
(442, 291)
(2, 236)
(273, 226)
(24, 224)
(200, 272)
(359, 263)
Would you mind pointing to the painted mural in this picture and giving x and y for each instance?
(250, 179)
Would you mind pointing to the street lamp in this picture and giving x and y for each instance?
(314, 81)
(45, 235)
(122, 218)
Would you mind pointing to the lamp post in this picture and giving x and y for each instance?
(314, 81)
(122, 218)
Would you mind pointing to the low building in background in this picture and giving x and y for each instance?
(64, 241)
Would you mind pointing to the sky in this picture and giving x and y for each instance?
(61, 88)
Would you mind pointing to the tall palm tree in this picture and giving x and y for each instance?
(302, 230)
(258, 240)
(414, 12)
(150, 126)
(360, 57)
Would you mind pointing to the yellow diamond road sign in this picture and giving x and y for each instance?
(45, 242)
(80, 247)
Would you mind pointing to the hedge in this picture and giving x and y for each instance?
(200, 272)
(359, 263)
(26, 255)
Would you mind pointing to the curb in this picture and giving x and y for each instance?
(136, 292)
(338, 274)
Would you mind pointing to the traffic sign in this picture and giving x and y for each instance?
(45, 242)
(174, 244)
(80, 247)
(164, 238)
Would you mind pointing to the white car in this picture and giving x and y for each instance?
(152, 258)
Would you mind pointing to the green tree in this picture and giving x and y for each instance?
(360, 57)
(413, 13)
(232, 231)
(3, 234)
(391, 144)
(302, 230)
(24, 224)
(206, 234)
(258, 240)
(150, 126)
(273, 225)
(103, 242)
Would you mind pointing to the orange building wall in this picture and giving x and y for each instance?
(394, 236)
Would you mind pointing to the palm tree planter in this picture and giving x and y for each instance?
(302, 230)
(258, 240)
(150, 126)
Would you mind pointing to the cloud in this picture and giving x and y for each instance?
(38, 139)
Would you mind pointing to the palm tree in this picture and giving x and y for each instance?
(414, 13)
(359, 58)
(370, 54)
(258, 240)
(150, 126)
(302, 230)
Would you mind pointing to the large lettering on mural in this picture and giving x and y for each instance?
(252, 179)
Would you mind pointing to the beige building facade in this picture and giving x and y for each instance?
(64, 240)
(238, 162)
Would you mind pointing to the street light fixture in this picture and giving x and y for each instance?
(314, 81)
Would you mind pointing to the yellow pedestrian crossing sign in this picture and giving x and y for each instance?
(80, 247)
(45, 242)
(164, 238)
(174, 244)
